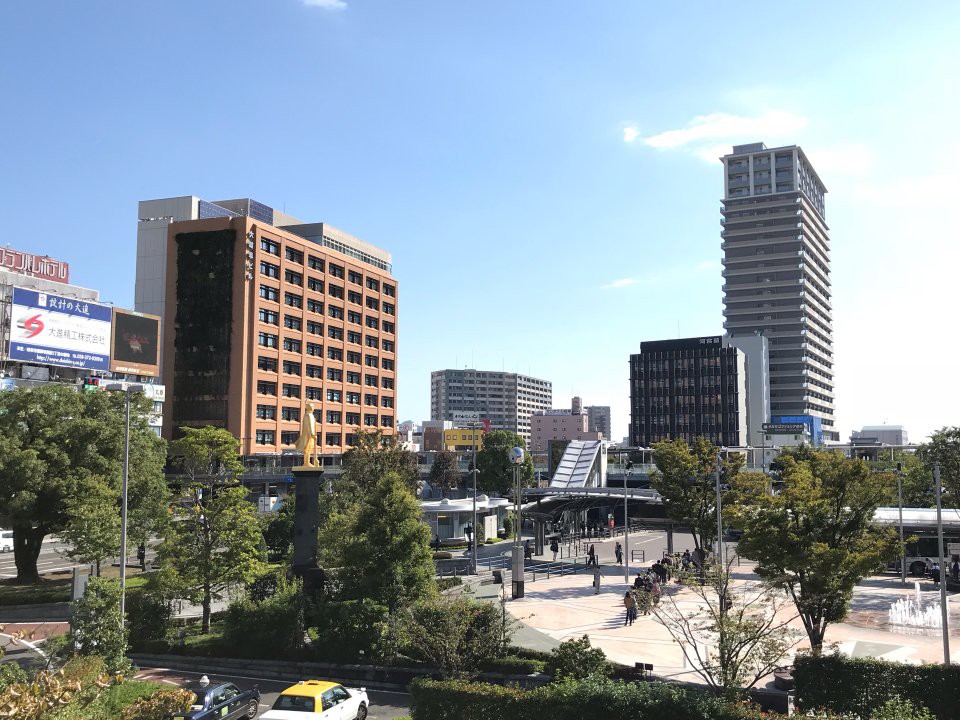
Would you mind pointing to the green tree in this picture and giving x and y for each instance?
(371, 458)
(445, 471)
(278, 527)
(493, 462)
(685, 477)
(214, 540)
(577, 660)
(93, 526)
(382, 546)
(54, 444)
(816, 538)
(944, 448)
(95, 627)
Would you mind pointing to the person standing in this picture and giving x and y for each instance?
(591, 557)
(596, 579)
(955, 569)
(554, 548)
(630, 603)
(935, 573)
(619, 552)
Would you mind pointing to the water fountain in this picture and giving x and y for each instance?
(910, 611)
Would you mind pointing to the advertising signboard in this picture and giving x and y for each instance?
(53, 330)
(135, 347)
(466, 417)
(39, 266)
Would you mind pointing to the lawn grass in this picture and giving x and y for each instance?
(46, 591)
(109, 705)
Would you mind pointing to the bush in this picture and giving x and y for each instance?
(577, 659)
(11, 673)
(148, 616)
(162, 704)
(442, 555)
(513, 665)
(266, 585)
(270, 629)
(459, 700)
(898, 709)
(445, 583)
(95, 627)
(860, 685)
(352, 631)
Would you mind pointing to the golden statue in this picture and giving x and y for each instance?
(307, 440)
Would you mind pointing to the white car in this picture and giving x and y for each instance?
(319, 699)
(6, 540)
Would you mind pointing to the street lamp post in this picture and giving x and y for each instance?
(516, 458)
(719, 515)
(126, 388)
(943, 569)
(473, 526)
(626, 531)
(903, 550)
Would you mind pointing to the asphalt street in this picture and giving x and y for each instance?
(384, 705)
(52, 559)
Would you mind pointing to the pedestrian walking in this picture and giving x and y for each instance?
(686, 559)
(630, 603)
(596, 579)
(935, 573)
(591, 557)
(955, 570)
(929, 565)
(527, 550)
(619, 552)
(554, 548)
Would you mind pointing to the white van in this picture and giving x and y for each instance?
(6, 540)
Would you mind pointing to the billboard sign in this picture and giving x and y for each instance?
(465, 417)
(38, 266)
(53, 330)
(135, 346)
(784, 428)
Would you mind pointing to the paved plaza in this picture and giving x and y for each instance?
(567, 607)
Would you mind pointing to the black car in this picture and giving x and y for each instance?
(222, 701)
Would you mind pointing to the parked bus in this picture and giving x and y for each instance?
(921, 524)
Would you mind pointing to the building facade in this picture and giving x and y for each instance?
(776, 270)
(598, 420)
(879, 435)
(506, 400)
(559, 425)
(263, 323)
(688, 388)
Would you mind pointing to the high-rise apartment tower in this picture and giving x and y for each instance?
(776, 269)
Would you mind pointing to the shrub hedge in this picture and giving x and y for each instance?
(513, 665)
(591, 699)
(860, 685)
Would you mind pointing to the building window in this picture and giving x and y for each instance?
(334, 417)
(355, 277)
(389, 290)
(354, 317)
(314, 371)
(334, 374)
(370, 400)
(387, 383)
(314, 263)
(373, 323)
(315, 306)
(353, 337)
(335, 354)
(267, 339)
(292, 322)
(389, 309)
(336, 271)
(314, 349)
(335, 312)
(371, 361)
(265, 387)
(266, 412)
(371, 381)
(294, 256)
(334, 332)
(386, 401)
(294, 278)
(353, 357)
(388, 327)
(268, 364)
(388, 345)
(291, 345)
(353, 418)
(269, 269)
(351, 439)
(370, 420)
(334, 396)
(335, 291)
(373, 303)
(353, 398)
(314, 393)
(332, 439)
(353, 378)
(291, 368)
(290, 414)
(293, 300)
(355, 297)
(269, 293)
(372, 341)
(386, 363)
(291, 391)
(314, 284)
(266, 437)
(271, 317)
(314, 327)
(373, 285)
(269, 246)
(289, 437)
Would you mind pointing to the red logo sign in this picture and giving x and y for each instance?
(33, 326)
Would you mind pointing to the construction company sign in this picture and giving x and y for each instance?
(53, 330)
(38, 266)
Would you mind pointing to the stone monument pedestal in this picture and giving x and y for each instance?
(308, 480)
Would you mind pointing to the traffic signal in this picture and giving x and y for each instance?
(91, 384)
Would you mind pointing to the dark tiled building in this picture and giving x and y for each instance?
(688, 388)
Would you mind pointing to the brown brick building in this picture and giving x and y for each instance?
(260, 319)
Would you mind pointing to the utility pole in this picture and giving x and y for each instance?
(943, 569)
(903, 550)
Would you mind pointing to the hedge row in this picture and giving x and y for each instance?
(859, 685)
(591, 699)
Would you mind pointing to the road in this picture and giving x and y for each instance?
(52, 559)
(384, 705)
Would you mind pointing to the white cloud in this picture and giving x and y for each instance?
(620, 283)
(326, 4)
(854, 159)
(630, 133)
(723, 126)
(665, 276)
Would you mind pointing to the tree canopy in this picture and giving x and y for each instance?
(373, 456)
(445, 471)
(55, 445)
(816, 538)
(944, 448)
(493, 463)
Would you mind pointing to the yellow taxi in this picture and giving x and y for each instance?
(321, 698)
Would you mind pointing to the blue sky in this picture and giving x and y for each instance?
(544, 173)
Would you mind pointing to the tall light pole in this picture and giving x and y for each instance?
(719, 515)
(626, 531)
(942, 559)
(903, 550)
(516, 457)
(126, 388)
(473, 533)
